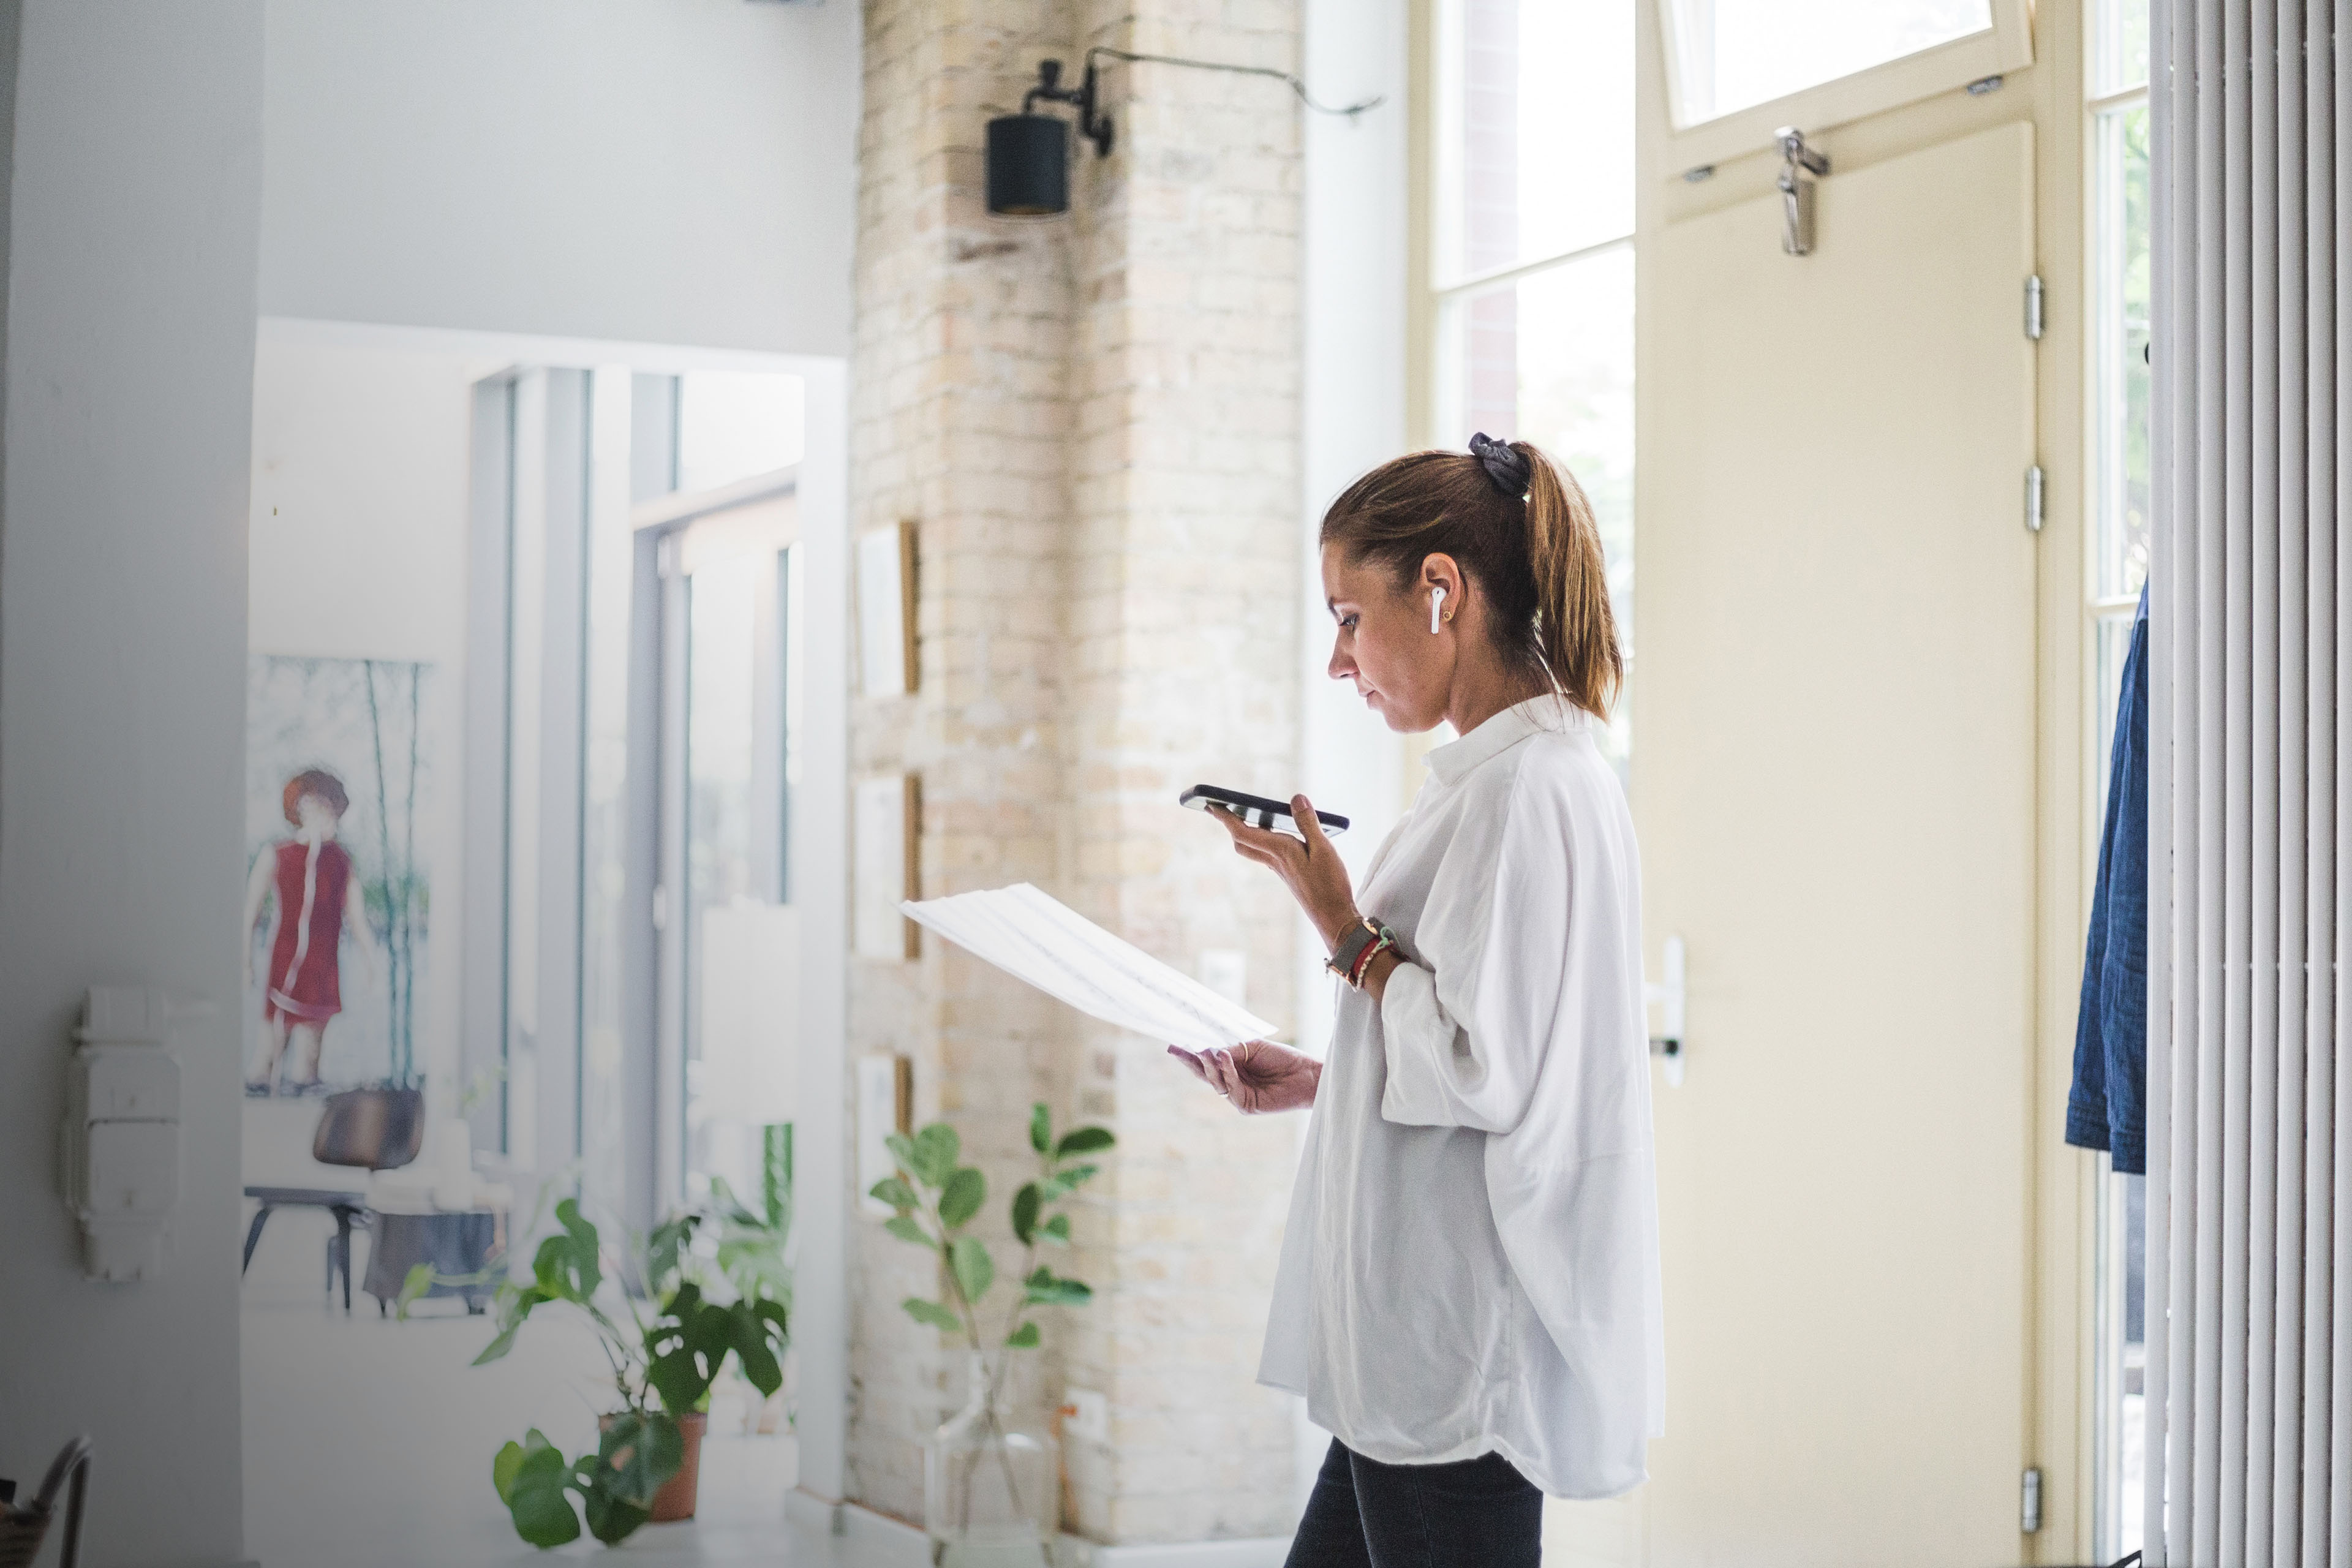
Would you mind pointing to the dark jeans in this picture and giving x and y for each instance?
(1478, 1513)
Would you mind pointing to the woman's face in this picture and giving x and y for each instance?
(1384, 646)
(318, 815)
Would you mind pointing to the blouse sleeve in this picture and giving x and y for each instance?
(1466, 1019)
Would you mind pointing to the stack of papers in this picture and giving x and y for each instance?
(1031, 937)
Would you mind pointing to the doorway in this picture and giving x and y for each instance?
(489, 511)
(1837, 779)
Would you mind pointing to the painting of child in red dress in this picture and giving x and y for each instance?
(307, 886)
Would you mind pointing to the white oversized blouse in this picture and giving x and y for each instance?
(1471, 1264)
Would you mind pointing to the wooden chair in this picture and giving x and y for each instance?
(22, 1530)
(369, 1129)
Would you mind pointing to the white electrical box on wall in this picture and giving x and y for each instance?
(121, 1145)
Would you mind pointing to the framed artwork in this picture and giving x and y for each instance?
(889, 816)
(339, 899)
(886, 610)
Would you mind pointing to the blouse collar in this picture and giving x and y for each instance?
(1456, 760)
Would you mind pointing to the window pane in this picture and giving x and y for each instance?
(2131, 1425)
(2123, 381)
(2119, 46)
(2115, 637)
(733, 424)
(1540, 148)
(1735, 54)
(1551, 360)
(721, 643)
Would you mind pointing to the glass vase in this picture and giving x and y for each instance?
(991, 1486)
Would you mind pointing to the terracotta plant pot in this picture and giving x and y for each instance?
(674, 1501)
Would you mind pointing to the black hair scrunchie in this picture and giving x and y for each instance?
(1509, 471)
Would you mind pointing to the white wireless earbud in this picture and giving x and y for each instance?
(1436, 604)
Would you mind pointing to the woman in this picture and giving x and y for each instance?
(1468, 1292)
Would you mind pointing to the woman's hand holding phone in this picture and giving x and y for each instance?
(1307, 866)
(1259, 1076)
(1256, 1076)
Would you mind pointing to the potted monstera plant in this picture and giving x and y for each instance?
(990, 1482)
(663, 1361)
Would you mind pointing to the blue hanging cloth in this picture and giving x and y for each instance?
(2107, 1107)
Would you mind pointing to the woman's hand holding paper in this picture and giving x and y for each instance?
(1256, 1076)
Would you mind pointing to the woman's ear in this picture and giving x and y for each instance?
(1442, 575)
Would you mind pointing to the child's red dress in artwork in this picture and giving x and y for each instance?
(305, 967)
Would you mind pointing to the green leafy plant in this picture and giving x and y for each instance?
(935, 1198)
(663, 1364)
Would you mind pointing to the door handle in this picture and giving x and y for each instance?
(1668, 992)
(1797, 161)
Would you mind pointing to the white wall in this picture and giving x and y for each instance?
(360, 474)
(1354, 350)
(1354, 353)
(655, 171)
(132, 250)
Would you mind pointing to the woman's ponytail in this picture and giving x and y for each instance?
(1575, 628)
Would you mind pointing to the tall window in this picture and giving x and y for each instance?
(2118, 539)
(1533, 250)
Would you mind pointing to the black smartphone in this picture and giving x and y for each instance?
(1258, 811)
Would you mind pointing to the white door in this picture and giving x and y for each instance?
(1833, 776)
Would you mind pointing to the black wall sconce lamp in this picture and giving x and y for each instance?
(1029, 153)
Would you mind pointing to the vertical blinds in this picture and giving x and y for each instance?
(2249, 1135)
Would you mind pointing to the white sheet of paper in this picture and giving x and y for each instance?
(1034, 938)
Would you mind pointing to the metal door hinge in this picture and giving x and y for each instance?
(2033, 488)
(2033, 309)
(2029, 1500)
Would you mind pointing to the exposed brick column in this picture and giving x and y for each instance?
(960, 412)
(1095, 421)
(1184, 631)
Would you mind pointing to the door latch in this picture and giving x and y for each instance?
(1669, 995)
(1797, 161)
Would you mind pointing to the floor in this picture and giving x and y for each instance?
(368, 1441)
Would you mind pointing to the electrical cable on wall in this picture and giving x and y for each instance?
(1029, 153)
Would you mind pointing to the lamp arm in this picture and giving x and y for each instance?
(1294, 83)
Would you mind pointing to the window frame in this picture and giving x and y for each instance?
(2007, 46)
(1437, 297)
(2105, 615)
